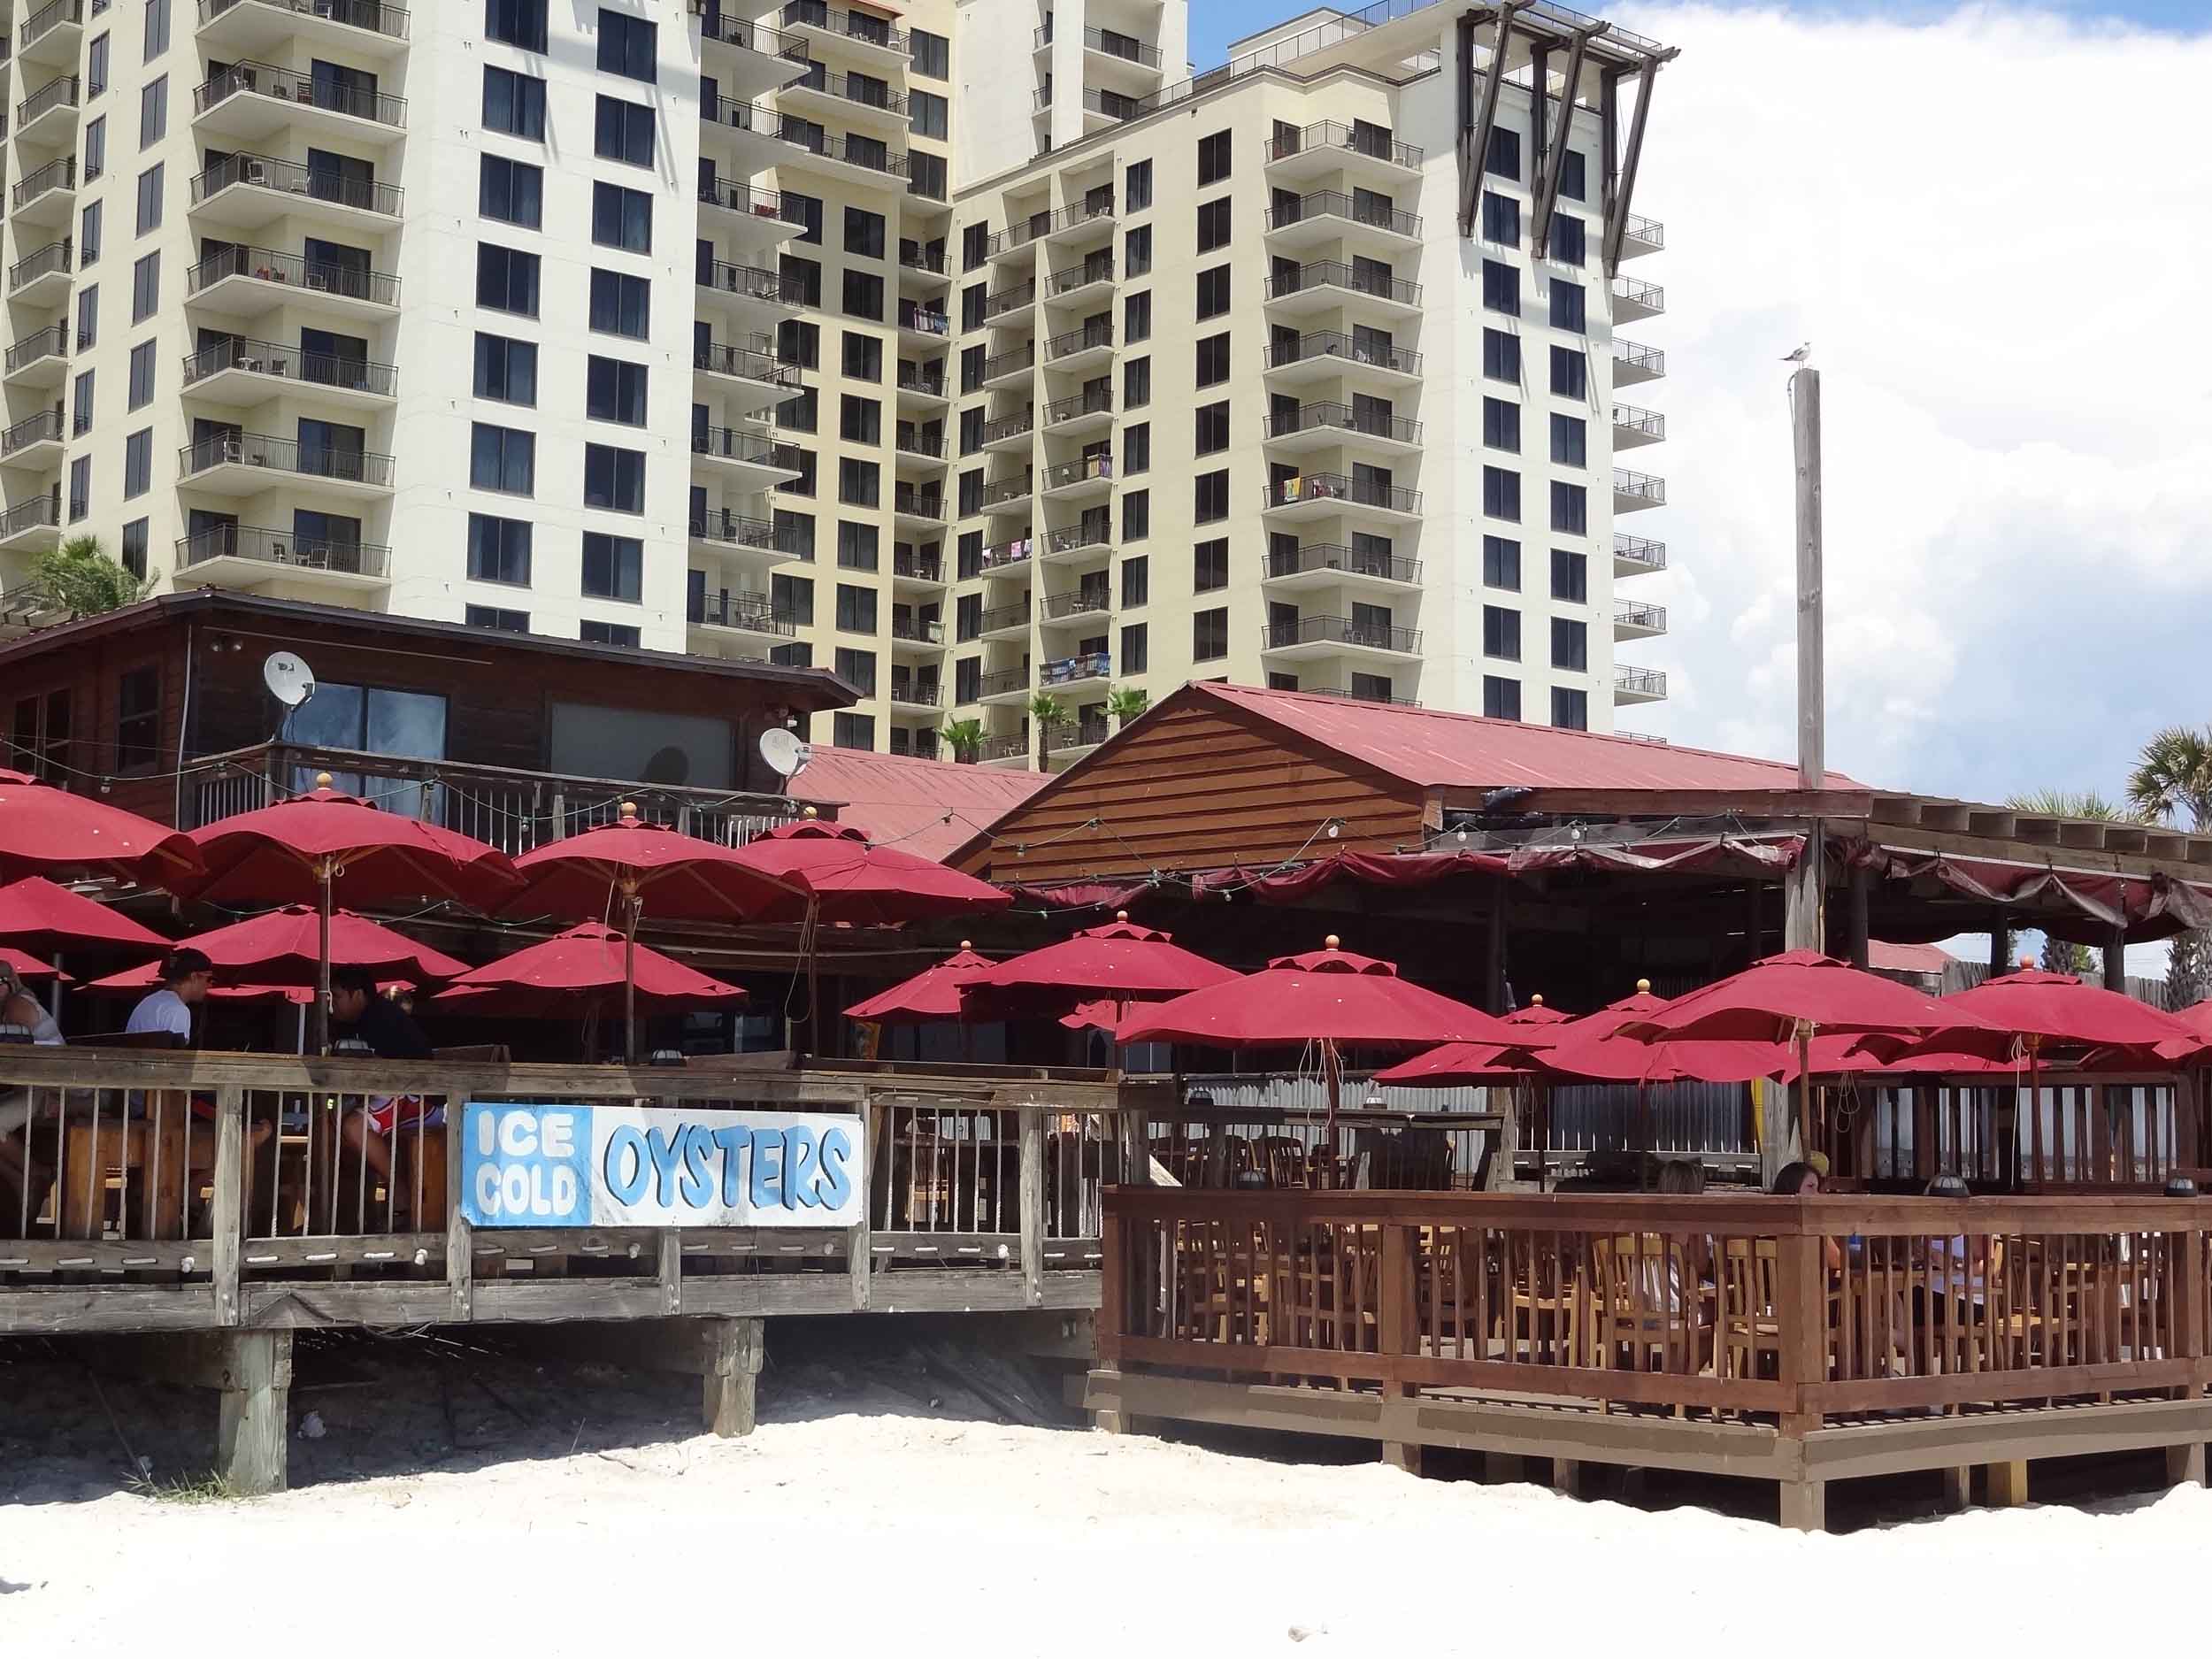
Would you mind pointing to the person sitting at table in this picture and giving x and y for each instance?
(390, 1034)
(1802, 1179)
(1958, 1267)
(187, 975)
(25, 1178)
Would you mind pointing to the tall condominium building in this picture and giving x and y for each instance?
(974, 350)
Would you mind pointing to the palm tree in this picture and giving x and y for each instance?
(964, 738)
(2173, 777)
(1046, 711)
(82, 580)
(1127, 702)
(2058, 955)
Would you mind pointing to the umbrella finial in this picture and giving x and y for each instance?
(809, 813)
(1333, 943)
(1643, 987)
(1121, 916)
(629, 811)
(1536, 1000)
(2026, 963)
(322, 780)
(967, 944)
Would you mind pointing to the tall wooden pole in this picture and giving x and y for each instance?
(1804, 911)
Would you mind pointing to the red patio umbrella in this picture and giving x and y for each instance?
(2198, 1017)
(932, 995)
(1536, 1014)
(46, 831)
(840, 875)
(580, 971)
(284, 948)
(1120, 962)
(29, 969)
(327, 846)
(619, 867)
(44, 917)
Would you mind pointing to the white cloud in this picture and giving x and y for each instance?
(1993, 229)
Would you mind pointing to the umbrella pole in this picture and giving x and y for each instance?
(325, 872)
(813, 975)
(1805, 1088)
(631, 906)
(1333, 1072)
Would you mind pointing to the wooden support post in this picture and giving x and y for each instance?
(1958, 1488)
(2000, 948)
(672, 1270)
(2185, 1464)
(229, 1217)
(2116, 960)
(1494, 953)
(1398, 1328)
(1805, 1505)
(1507, 1152)
(732, 1354)
(1861, 883)
(2008, 1483)
(1801, 1290)
(1566, 1476)
(1804, 894)
(1032, 1203)
(1504, 1467)
(460, 1237)
(253, 1429)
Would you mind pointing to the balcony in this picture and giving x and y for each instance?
(1638, 685)
(1358, 697)
(1326, 285)
(248, 192)
(1326, 494)
(1636, 554)
(915, 694)
(1010, 557)
(1071, 223)
(38, 359)
(719, 531)
(920, 389)
(1081, 349)
(244, 372)
(52, 33)
(239, 29)
(35, 443)
(1330, 564)
(1310, 637)
(49, 115)
(925, 633)
(924, 323)
(1103, 107)
(1326, 216)
(918, 451)
(1004, 622)
(247, 463)
(249, 282)
(1327, 148)
(757, 217)
(1634, 427)
(1641, 235)
(865, 99)
(1632, 491)
(1087, 477)
(1633, 619)
(751, 292)
(1079, 543)
(923, 573)
(45, 195)
(748, 379)
(753, 615)
(1009, 366)
(1010, 308)
(1634, 364)
(1004, 685)
(1011, 495)
(751, 458)
(1312, 426)
(1089, 280)
(1011, 433)
(1633, 300)
(1078, 604)
(853, 33)
(852, 158)
(32, 527)
(755, 58)
(1008, 751)
(252, 102)
(43, 278)
(1083, 670)
(240, 555)
(921, 265)
(1087, 412)
(1332, 355)
(917, 507)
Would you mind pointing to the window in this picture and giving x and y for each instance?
(925, 172)
(507, 280)
(1210, 635)
(514, 104)
(1505, 152)
(1213, 224)
(614, 478)
(802, 485)
(793, 597)
(1210, 566)
(793, 532)
(499, 549)
(1213, 428)
(95, 148)
(614, 390)
(1210, 497)
(800, 413)
(1501, 633)
(864, 296)
(1567, 302)
(1569, 441)
(1501, 425)
(136, 539)
(614, 566)
(502, 459)
(1501, 356)
(153, 112)
(807, 210)
(619, 304)
(799, 343)
(1500, 288)
(863, 356)
(1136, 383)
(1501, 218)
(1569, 509)
(1136, 249)
(1570, 372)
(1213, 359)
(88, 236)
(1136, 449)
(864, 232)
(81, 404)
(138, 719)
(971, 361)
(1570, 576)
(149, 199)
(1571, 183)
(1502, 493)
(1213, 292)
(1569, 643)
(509, 190)
(142, 360)
(857, 547)
(1569, 709)
(495, 619)
(88, 317)
(855, 608)
(506, 369)
(1136, 194)
(860, 419)
(853, 731)
(138, 464)
(145, 288)
(1502, 563)
(1500, 698)
(592, 631)
(95, 67)
(157, 36)
(628, 45)
(1136, 649)
(858, 669)
(797, 656)
(859, 483)
(1213, 158)
(933, 55)
(1136, 317)
(621, 218)
(80, 488)
(517, 22)
(973, 298)
(623, 131)
(927, 113)
(1136, 515)
(1567, 242)
(1136, 583)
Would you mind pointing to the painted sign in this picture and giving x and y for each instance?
(649, 1166)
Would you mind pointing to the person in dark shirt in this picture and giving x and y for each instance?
(390, 1033)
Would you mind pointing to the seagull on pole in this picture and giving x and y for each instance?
(1802, 356)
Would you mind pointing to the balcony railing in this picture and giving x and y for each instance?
(917, 504)
(49, 18)
(1325, 556)
(281, 547)
(1643, 486)
(1650, 359)
(915, 256)
(999, 617)
(1337, 135)
(999, 681)
(735, 196)
(1015, 361)
(1013, 425)
(1641, 682)
(999, 491)
(754, 612)
(726, 528)
(1638, 549)
(920, 567)
(1007, 555)
(289, 86)
(728, 30)
(1648, 231)
(41, 512)
(1080, 601)
(1079, 277)
(55, 175)
(1341, 631)
(1081, 471)
(1083, 665)
(44, 342)
(1359, 696)
(1046, 223)
(390, 21)
(1090, 337)
(921, 385)
(791, 129)
(738, 443)
(59, 93)
(1099, 401)
(1122, 46)
(862, 90)
(853, 25)
(747, 281)
(917, 694)
(1645, 422)
(924, 319)
(43, 427)
(744, 363)
(1008, 746)
(1336, 274)
(1334, 344)
(1634, 614)
(918, 630)
(1009, 299)
(1338, 205)
(1344, 417)
(292, 178)
(265, 265)
(285, 455)
(911, 440)
(289, 363)
(1650, 296)
(1358, 492)
(1076, 538)
(1115, 106)
(54, 257)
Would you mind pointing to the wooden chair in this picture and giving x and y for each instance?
(1750, 1332)
(1546, 1303)
(1281, 1159)
(1647, 1305)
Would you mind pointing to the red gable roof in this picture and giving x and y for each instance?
(1908, 958)
(1436, 749)
(903, 800)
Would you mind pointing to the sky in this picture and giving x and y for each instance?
(1991, 225)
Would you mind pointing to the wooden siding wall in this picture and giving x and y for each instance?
(92, 672)
(1193, 788)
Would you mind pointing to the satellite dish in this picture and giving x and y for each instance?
(290, 680)
(783, 752)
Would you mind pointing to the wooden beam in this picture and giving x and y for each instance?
(253, 1424)
(1663, 803)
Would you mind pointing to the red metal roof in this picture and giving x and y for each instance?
(902, 801)
(1907, 958)
(1436, 749)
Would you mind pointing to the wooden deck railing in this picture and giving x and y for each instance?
(1792, 1311)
